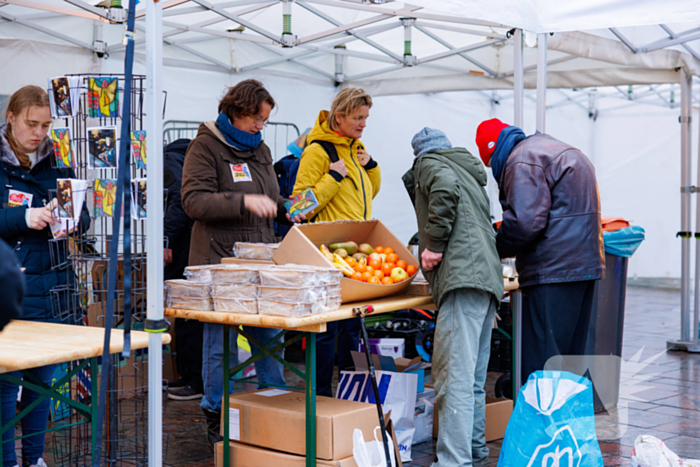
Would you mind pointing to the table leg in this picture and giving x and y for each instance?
(94, 406)
(227, 381)
(517, 298)
(310, 399)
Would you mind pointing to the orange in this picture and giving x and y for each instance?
(379, 273)
(411, 270)
(401, 264)
(375, 263)
(357, 276)
(366, 276)
(388, 250)
(387, 281)
(379, 250)
(370, 270)
(359, 267)
(392, 258)
(386, 268)
(351, 262)
(375, 280)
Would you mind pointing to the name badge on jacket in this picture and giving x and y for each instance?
(241, 173)
(18, 198)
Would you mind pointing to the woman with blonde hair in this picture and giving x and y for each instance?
(345, 180)
(26, 176)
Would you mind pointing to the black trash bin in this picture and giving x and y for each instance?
(608, 314)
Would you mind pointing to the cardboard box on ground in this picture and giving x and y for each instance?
(276, 419)
(243, 455)
(302, 242)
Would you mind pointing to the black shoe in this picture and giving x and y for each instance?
(213, 427)
(185, 393)
(179, 383)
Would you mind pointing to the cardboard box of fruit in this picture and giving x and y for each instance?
(375, 263)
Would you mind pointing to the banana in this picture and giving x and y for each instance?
(327, 253)
(339, 259)
(347, 270)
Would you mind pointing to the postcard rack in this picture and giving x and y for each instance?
(85, 248)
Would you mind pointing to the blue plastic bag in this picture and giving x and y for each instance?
(623, 242)
(553, 424)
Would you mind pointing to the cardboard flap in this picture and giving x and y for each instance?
(384, 363)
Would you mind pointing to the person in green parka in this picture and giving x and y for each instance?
(459, 260)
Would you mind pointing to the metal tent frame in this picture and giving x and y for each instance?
(378, 16)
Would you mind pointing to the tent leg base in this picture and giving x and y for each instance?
(684, 346)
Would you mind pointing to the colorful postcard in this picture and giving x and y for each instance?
(103, 98)
(70, 196)
(61, 96)
(104, 197)
(138, 148)
(62, 148)
(138, 199)
(102, 147)
(64, 96)
(302, 203)
(19, 198)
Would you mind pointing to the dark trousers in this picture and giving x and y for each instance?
(348, 332)
(188, 342)
(555, 322)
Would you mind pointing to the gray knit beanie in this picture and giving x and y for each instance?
(429, 140)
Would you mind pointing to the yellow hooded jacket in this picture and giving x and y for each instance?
(347, 199)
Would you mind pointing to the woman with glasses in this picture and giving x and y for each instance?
(230, 190)
(345, 180)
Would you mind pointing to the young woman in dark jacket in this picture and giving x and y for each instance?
(229, 188)
(26, 176)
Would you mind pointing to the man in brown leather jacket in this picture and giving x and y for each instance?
(551, 223)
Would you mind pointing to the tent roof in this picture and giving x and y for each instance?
(364, 42)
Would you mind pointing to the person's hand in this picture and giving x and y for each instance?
(260, 205)
(298, 219)
(430, 259)
(340, 168)
(363, 156)
(167, 255)
(39, 218)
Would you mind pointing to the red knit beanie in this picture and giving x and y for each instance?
(487, 137)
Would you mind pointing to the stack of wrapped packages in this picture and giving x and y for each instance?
(255, 251)
(290, 290)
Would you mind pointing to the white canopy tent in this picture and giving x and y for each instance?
(389, 48)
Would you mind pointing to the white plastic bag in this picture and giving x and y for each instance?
(371, 453)
(652, 452)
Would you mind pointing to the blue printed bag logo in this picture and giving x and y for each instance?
(562, 451)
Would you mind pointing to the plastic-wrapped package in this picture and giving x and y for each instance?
(259, 251)
(188, 295)
(200, 273)
(235, 275)
(227, 291)
(292, 275)
(333, 302)
(236, 305)
(293, 294)
(293, 310)
(333, 289)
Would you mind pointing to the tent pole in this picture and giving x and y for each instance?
(695, 338)
(155, 322)
(541, 81)
(686, 339)
(518, 87)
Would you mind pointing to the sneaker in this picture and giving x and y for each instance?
(179, 383)
(39, 463)
(185, 393)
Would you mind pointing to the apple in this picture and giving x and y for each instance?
(376, 256)
(398, 275)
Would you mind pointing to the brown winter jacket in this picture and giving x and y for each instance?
(215, 202)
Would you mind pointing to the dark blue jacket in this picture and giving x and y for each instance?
(47, 290)
(11, 286)
(177, 225)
